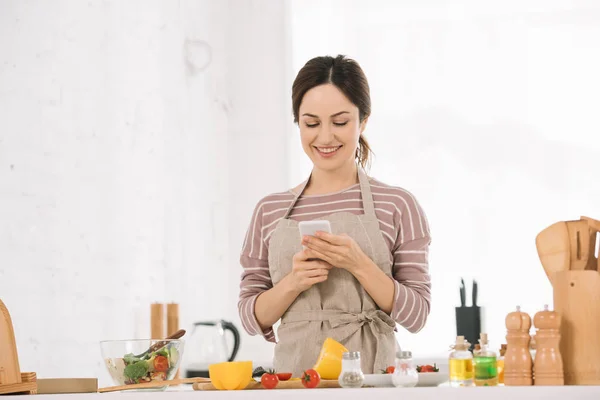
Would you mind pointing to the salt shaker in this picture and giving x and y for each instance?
(405, 374)
(351, 375)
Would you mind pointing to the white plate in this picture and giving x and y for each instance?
(432, 378)
(426, 379)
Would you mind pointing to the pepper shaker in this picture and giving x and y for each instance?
(351, 375)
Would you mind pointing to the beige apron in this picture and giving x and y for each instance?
(340, 307)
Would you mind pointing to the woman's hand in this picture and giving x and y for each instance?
(307, 271)
(341, 251)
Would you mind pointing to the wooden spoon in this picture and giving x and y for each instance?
(153, 384)
(594, 226)
(160, 344)
(554, 248)
(579, 238)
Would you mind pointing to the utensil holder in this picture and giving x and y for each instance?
(577, 300)
(468, 323)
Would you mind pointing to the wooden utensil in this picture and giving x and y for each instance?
(594, 226)
(162, 343)
(12, 380)
(553, 247)
(291, 384)
(153, 384)
(579, 240)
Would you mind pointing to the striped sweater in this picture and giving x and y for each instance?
(405, 229)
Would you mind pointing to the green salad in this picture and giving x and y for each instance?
(152, 366)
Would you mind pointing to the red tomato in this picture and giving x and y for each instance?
(269, 381)
(284, 376)
(390, 369)
(310, 378)
(161, 363)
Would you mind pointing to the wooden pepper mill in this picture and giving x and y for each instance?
(548, 365)
(517, 361)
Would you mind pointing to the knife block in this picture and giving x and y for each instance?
(12, 380)
(577, 301)
(468, 323)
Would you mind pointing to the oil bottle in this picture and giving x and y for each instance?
(461, 363)
(485, 364)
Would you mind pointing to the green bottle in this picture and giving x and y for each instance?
(485, 364)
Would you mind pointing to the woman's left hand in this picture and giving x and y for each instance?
(341, 251)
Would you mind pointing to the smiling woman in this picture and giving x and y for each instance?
(355, 283)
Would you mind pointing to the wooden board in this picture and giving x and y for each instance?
(291, 384)
(28, 385)
(67, 385)
(11, 378)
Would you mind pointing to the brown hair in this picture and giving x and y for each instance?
(349, 78)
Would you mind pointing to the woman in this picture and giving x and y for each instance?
(355, 284)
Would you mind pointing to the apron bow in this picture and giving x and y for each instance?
(380, 321)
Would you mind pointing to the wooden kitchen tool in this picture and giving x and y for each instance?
(553, 247)
(548, 365)
(579, 244)
(156, 346)
(154, 384)
(594, 226)
(567, 245)
(517, 360)
(12, 380)
(577, 300)
(157, 321)
(291, 384)
(567, 252)
(67, 385)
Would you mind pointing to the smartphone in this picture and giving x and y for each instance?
(309, 228)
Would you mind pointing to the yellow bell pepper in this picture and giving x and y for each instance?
(329, 363)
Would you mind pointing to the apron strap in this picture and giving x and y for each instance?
(296, 196)
(367, 196)
(365, 190)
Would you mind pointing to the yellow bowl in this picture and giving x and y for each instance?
(234, 375)
(329, 363)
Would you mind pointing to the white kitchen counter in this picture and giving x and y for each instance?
(474, 393)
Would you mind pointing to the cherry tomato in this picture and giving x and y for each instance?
(269, 381)
(428, 368)
(161, 364)
(390, 369)
(284, 376)
(310, 378)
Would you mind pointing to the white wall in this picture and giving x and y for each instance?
(487, 112)
(127, 173)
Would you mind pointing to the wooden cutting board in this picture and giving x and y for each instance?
(253, 385)
(67, 385)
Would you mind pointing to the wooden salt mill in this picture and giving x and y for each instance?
(548, 365)
(517, 361)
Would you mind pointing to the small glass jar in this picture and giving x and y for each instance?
(405, 374)
(351, 375)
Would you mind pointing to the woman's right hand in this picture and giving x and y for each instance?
(307, 271)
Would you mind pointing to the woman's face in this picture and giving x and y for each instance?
(329, 127)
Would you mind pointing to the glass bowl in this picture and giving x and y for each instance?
(130, 361)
